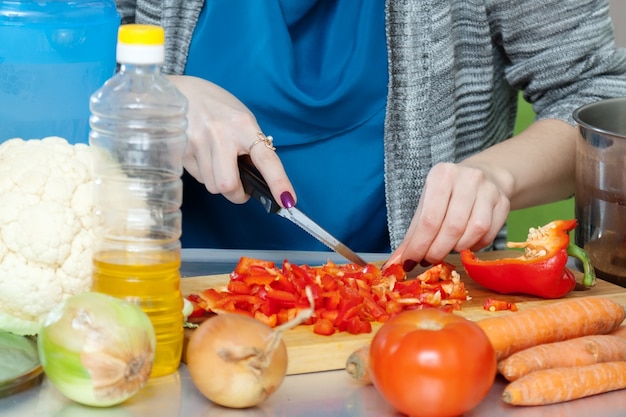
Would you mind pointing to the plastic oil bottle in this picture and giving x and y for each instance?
(138, 138)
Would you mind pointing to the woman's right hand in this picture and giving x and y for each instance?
(221, 128)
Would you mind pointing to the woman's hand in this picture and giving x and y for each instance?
(464, 205)
(461, 207)
(220, 129)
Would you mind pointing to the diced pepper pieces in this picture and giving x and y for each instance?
(246, 264)
(323, 327)
(198, 312)
(491, 304)
(236, 286)
(257, 279)
(346, 297)
(270, 320)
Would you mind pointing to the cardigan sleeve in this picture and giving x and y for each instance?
(562, 54)
(178, 19)
(126, 9)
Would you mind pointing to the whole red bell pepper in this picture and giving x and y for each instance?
(541, 270)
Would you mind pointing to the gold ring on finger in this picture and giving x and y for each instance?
(268, 141)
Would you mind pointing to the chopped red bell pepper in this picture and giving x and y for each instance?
(491, 304)
(256, 279)
(271, 320)
(356, 325)
(198, 312)
(540, 270)
(237, 286)
(246, 264)
(350, 308)
(283, 298)
(324, 327)
(346, 297)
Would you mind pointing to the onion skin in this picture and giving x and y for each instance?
(96, 349)
(236, 361)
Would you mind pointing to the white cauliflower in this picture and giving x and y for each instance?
(46, 233)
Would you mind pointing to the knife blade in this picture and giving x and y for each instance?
(255, 186)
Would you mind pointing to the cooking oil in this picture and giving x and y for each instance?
(152, 281)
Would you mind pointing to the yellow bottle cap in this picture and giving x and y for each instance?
(136, 34)
(140, 44)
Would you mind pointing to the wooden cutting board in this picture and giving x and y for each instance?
(309, 352)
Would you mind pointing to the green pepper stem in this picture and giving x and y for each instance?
(589, 275)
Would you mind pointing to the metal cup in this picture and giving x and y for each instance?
(600, 200)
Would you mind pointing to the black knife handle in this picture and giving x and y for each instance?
(254, 184)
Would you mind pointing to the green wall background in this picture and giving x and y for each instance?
(520, 221)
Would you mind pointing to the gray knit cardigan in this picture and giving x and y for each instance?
(455, 69)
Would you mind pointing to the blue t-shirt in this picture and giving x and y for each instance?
(314, 73)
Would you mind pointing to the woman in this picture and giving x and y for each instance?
(391, 119)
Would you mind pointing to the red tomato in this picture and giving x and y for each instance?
(429, 363)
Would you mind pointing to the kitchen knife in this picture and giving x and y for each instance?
(255, 186)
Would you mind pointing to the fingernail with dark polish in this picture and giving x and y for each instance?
(287, 199)
(425, 264)
(408, 265)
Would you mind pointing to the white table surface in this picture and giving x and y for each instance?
(332, 394)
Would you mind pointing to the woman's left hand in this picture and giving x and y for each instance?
(461, 207)
(464, 205)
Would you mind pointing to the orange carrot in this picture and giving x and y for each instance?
(620, 331)
(579, 351)
(553, 322)
(555, 385)
(357, 365)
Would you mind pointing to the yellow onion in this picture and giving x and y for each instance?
(237, 361)
(96, 349)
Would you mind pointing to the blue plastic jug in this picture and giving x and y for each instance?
(53, 55)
